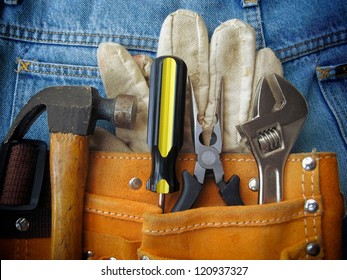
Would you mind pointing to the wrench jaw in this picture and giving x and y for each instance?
(279, 115)
(270, 152)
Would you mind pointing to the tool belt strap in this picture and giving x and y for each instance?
(16, 194)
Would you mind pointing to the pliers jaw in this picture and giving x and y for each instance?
(208, 158)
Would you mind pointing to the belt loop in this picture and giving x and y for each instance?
(249, 3)
(252, 15)
(11, 2)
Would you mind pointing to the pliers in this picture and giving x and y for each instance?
(208, 158)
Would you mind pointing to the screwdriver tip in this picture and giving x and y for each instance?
(162, 201)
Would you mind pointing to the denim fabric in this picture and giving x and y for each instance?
(45, 43)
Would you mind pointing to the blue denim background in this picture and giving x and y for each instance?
(45, 43)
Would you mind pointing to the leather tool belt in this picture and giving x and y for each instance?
(122, 219)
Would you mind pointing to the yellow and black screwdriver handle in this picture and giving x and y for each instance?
(166, 122)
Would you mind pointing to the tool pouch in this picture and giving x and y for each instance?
(122, 219)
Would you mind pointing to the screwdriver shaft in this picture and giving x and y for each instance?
(161, 202)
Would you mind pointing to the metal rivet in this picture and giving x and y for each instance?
(135, 183)
(311, 206)
(22, 224)
(309, 163)
(145, 258)
(87, 255)
(312, 249)
(253, 184)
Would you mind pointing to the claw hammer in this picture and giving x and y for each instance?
(72, 113)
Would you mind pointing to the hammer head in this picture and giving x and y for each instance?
(73, 109)
(69, 109)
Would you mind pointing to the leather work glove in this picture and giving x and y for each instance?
(122, 73)
(231, 55)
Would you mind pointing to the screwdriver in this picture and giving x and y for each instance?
(166, 123)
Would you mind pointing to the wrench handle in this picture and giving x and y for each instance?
(271, 183)
(69, 154)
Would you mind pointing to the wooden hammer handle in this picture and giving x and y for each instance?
(69, 156)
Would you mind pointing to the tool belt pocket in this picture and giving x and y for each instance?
(122, 219)
(113, 226)
(270, 231)
(305, 225)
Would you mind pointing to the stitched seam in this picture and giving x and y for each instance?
(225, 224)
(305, 199)
(194, 159)
(238, 160)
(60, 66)
(63, 74)
(13, 36)
(313, 196)
(299, 54)
(76, 42)
(310, 41)
(120, 157)
(25, 65)
(109, 213)
(77, 34)
(260, 28)
(308, 51)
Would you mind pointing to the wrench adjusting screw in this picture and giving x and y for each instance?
(269, 140)
(311, 206)
(309, 163)
(22, 224)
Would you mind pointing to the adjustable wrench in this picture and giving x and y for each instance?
(279, 114)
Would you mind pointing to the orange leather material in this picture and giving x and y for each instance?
(240, 232)
(113, 226)
(126, 223)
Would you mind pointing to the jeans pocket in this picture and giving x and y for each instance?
(33, 76)
(332, 81)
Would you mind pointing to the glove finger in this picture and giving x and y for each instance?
(266, 63)
(102, 140)
(120, 73)
(184, 34)
(144, 62)
(232, 56)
